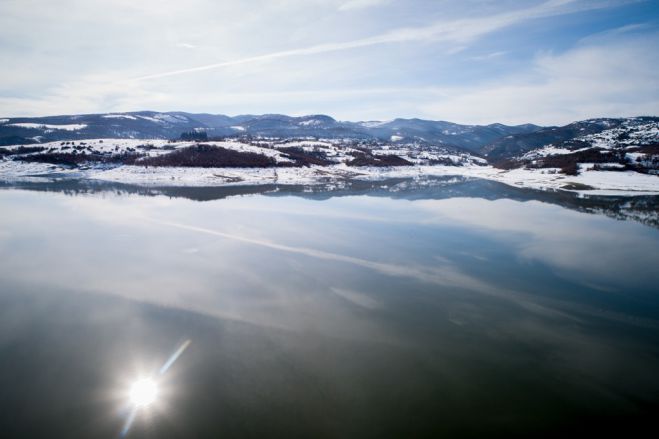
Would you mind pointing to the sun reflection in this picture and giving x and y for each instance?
(143, 392)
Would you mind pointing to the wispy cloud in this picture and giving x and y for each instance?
(360, 4)
(488, 56)
(466, 61)
(595, 80)
(460, 31)
(186, 46)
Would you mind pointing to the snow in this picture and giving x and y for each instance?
(164, 118)
(602, 182)
(170, 118)
(622, 183)
(618, 181)
(630, 132)
(310, 122)
(588, 181)
(15, 170)
(150, 119)
(620, 137)
(4, 120)
(68, 127)
(310, 144)
(549, 150)
(119, 116)
(374, 123)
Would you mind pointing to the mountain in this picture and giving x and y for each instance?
(144, 124)
(155, 125)
(517, 144)
(627, 144)
(469, 137)
(501, 144)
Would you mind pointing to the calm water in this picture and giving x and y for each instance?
(452, 307)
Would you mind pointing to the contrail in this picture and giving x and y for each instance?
(448, 276)
(322, 48)
(459, 31)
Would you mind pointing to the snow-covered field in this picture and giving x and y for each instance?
(595, 182)
(602, 182)
(338, 153)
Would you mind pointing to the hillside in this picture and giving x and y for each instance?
(517, 144)
(630, 144)
(613, 155)
(154, 125)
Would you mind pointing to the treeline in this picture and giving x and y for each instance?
(305, 158)
(364, 159)
(207, 156)
(195, 136)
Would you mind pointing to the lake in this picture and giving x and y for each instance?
(407, 308)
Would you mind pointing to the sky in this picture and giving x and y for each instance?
(467, 61)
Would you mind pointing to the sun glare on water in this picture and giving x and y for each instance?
(143, 392)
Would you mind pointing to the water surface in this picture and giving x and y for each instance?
(398, 309)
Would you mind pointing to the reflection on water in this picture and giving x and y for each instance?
(397, 309)
(644, 209)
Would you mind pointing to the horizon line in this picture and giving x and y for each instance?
(312, 115)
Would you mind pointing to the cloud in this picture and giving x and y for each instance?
(611, 79)
(440, 275)
(407, 60)
(460, 31)
(357, 298)
(489, 56)
(600, 77)
(580, 252)
(360, 4)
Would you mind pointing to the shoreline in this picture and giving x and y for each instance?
(588, 182)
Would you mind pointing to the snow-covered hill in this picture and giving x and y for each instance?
(515, 145)
(605, 155)
(154, 125)
(630, 145)
(242, 161)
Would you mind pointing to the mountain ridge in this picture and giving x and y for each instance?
(497, 142)
(164, 125)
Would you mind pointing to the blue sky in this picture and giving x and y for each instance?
(469, 61)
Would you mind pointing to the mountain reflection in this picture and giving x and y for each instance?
(343, 311)
(642, 208)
